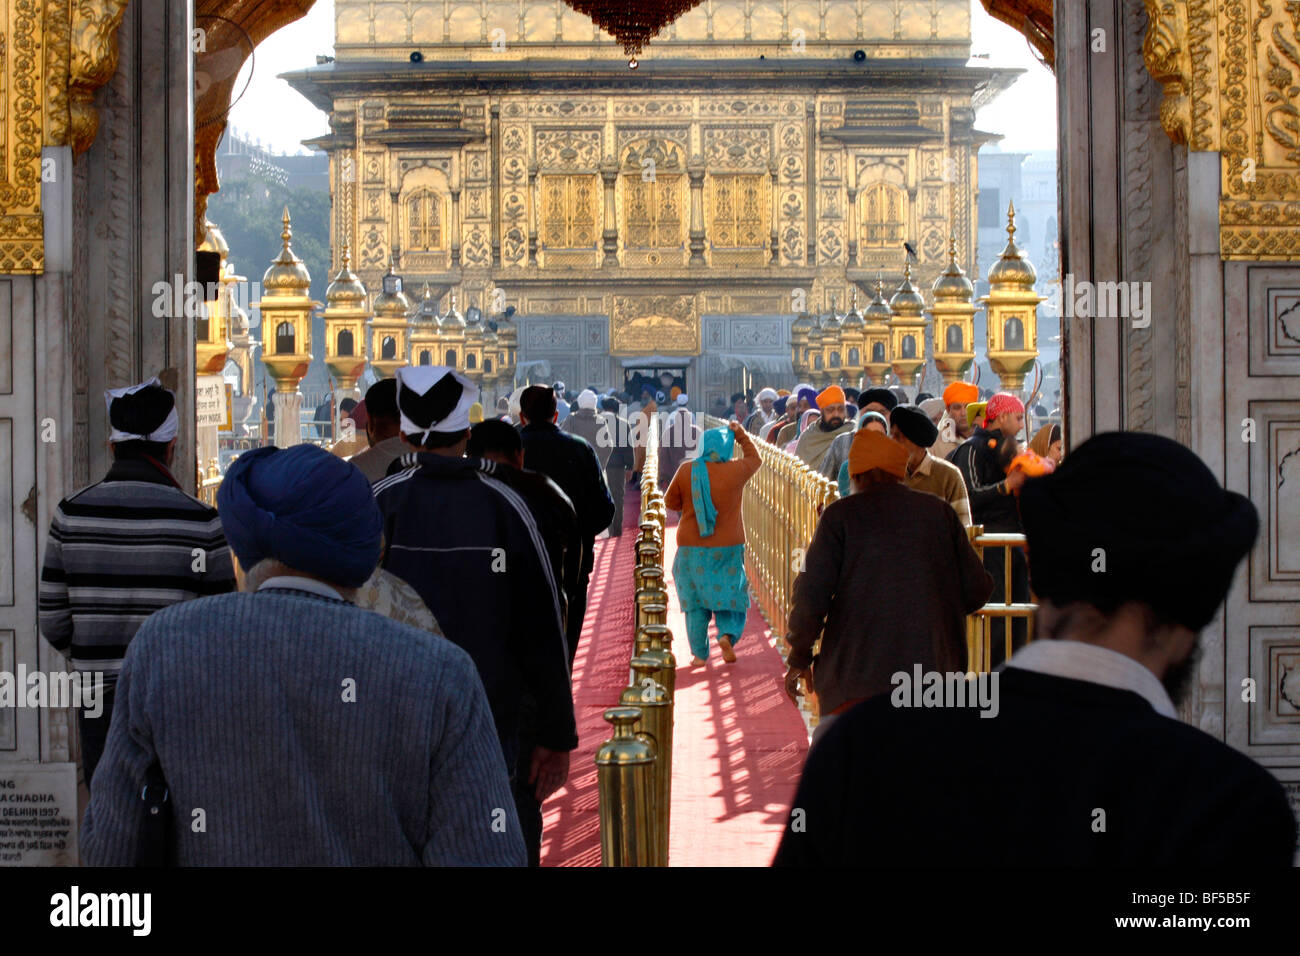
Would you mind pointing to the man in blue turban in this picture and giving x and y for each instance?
(329, 734)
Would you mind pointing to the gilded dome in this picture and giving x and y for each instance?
(346, 291)
(395, 304)
(288, 275)
(803, 323)
(426, 309)
(908, 299)
(952, 284)
(453, 319)
(878, 311)
(213, 240)
(853, 320)
(1012, 268)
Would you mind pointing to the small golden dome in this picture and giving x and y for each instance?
(878, 311)
(394, 304)
(853, 320)
(908, 299)
(952, 284)
(287, 276)
(803, 323)
(346, 291)
(426, 310)
(1012, 268)
(213, 240)
(453, 319)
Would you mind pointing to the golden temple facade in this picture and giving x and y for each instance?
(761, 161)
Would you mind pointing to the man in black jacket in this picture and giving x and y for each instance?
(500, 451)
(572, 464)
(621, 459)
(1086, 761)
(983, 460)
(471, 547)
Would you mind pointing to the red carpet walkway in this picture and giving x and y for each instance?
(738, 746)
(739, 743)
(571, 818)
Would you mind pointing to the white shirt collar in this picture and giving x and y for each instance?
(295, 583)
(924, 467)
(1096, 665)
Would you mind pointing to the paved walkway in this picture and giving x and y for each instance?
(739, 743)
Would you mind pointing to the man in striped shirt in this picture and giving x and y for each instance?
(123, 548)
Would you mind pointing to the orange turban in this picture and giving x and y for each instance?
(834, 395)
(960, 393)
(871, 449)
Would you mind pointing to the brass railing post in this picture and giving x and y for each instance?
(656, 722)
(624, 764)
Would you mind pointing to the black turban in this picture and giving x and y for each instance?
(881, 396)
(915, 425)
(1170, 535)
(142, 412)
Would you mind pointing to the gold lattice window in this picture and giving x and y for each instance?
(653, 211)
(739, 221)
(569, 211)
(882, 219)
(424, 214)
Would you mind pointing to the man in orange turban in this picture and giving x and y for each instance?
(816, 441)
(871, 628)
(953, 426)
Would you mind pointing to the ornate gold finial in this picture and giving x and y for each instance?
(907, 272)
(1011, 221)
(952, 247)
(347, 254)
(880, 285)
(287, 233)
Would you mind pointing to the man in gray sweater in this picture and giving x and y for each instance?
(291, 727)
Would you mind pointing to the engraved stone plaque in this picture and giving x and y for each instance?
(38, 815)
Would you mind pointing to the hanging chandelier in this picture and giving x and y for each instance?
(632, 22)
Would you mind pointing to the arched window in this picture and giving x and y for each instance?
(451, 358)
(388, 349)
(884, 213)
(854, 356)
(835, 360)
(424, 216)
(818, 364)
(1013, 334)
(653, 211)
(955, 339)
(909, 346)
(426, 357)
(471, 361)
(487, 364)
(345, 346)
(877, 351)
(285, 339)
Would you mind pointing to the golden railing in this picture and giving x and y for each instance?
(780, 510)
(634, 767)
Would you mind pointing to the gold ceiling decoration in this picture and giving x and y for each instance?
(633, 22)
(1033, 18)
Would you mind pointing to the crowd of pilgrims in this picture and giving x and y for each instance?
(364, 654)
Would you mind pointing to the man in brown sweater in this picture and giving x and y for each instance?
(912, 428)
(876, 617)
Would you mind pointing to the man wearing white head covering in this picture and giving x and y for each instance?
(123, 548)
(680, 440)
(590, 427)
(765, 414)
(468, 543)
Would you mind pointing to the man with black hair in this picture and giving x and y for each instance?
(621, 460)
(383, 431)
(123, 548)
(500, 451)
(1085, 761)
(573, 465)
(471, 546)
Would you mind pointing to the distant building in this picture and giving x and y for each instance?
(240, 158)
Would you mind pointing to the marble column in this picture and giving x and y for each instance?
(695, 170)
(288, 417)
(609, 235)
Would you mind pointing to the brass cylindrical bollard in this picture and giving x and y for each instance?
(648, 576)
(649, 552)
(660, 649)
(652, 531)
(625, 767)
(652, 595)
(657, 722)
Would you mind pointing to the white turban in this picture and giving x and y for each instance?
(682, 399)
(433, 398)
(587, 399)
(768, 393)
(141, 419)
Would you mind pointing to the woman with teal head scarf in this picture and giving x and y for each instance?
(709, 567)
